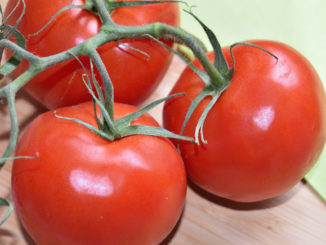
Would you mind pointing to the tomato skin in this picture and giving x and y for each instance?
(264, 133)
(133, 74)
(82, 189)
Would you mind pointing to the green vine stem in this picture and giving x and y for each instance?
(109, 32)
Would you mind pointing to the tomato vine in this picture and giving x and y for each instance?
(110, 31)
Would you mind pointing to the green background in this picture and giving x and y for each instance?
(299, 23)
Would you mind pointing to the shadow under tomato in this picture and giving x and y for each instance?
(265, 204)
(28, 240)
(172, 234)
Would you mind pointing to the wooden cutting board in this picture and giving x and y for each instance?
(295, 218)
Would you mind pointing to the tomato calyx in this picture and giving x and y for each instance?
(217, 77)
(107, 127)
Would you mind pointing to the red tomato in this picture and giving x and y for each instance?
(84, 190)
(133, 74)
(266, 130)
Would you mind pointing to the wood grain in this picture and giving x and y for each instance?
(295, 218)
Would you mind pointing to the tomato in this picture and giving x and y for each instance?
(265, 131)
(82, 189)
(133, 74)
